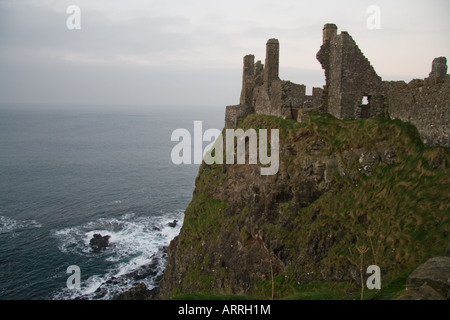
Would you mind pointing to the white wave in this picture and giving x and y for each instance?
(10, 225)
(136, 250)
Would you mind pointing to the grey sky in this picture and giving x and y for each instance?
(181, 52)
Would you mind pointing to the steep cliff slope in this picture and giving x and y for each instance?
(342, 185)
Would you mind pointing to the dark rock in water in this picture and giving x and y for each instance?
(99, 243)
(101, 292)
(139, 292)
(150, 269)
(147, 270)
(430, 280)
(173, 224)
(113, 281)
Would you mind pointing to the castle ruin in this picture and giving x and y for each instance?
(352, 90)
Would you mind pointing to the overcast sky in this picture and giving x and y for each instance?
(182, 52)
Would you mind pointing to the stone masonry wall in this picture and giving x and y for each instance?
(425, 104)
(349, 78)
(352, 90)
(264, 93)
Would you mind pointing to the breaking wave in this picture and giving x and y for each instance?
(8, 225)
(136, 252)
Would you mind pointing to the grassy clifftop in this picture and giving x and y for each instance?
(342, 185)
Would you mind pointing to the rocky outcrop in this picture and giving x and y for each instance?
(139, 292)
(430, 281)
(173, 224)
(99, 243)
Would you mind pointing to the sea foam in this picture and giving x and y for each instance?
(136, 251)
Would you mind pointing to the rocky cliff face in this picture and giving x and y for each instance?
(341, 185)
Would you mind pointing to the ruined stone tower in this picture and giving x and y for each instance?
(329, 32)
(352, 87)
(438, 69)
(248, 80)
(272, 62)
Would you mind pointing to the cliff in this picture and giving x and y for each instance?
(341, 185)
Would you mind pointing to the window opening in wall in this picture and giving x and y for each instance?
(365, 100)
(365, 108)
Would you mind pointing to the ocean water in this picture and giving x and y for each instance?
(68, 173)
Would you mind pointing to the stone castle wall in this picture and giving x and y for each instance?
(425, 104)
(352, 90)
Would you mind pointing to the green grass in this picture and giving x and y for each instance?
(208, 296)
(204, 214)
(318, 290)
(391, 290)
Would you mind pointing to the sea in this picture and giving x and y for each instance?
(70, 172)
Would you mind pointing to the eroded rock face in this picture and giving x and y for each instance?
(430, 281)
